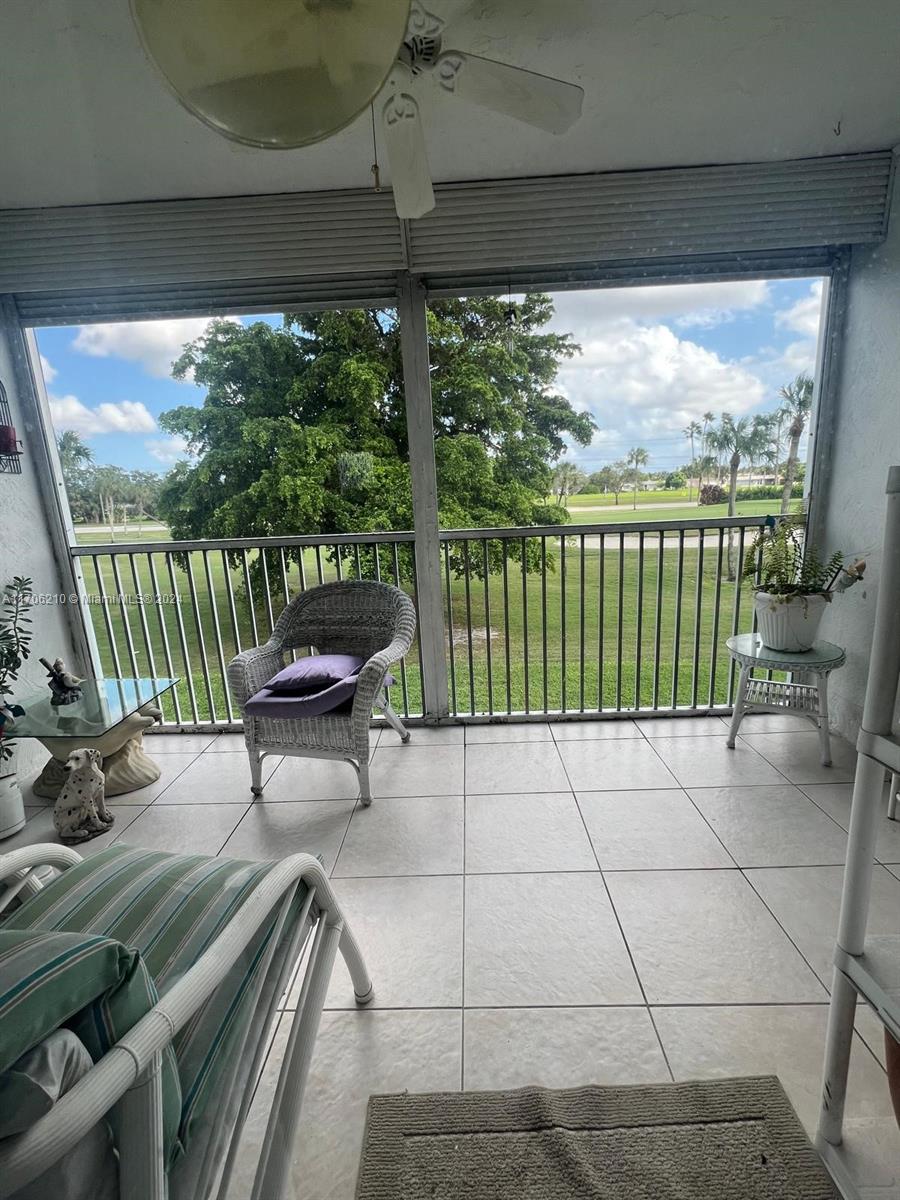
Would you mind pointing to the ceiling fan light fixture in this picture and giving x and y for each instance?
(276, 74)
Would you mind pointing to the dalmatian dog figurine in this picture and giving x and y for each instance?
(80, 812)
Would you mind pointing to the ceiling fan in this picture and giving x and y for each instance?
(537, 100)
(279, 74)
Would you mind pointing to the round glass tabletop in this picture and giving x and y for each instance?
(748, 648)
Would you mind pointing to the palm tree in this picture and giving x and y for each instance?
(74, 453)
(797, 397)
(708, 418)
(693, 430)
(568, 478)
(637, 458)
(739, 440)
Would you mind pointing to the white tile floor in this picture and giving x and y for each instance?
(559, 904)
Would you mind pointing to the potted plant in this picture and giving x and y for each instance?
(793, 584)
(15, 639)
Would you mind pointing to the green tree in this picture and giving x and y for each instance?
(694, 430)
(797, 406)
(675, 480)
(611, 478)
(303, 427)
(75, 461)
(567, 479)
(738, 440)
(637, 458)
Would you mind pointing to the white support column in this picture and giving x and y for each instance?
(41, 445)
(420, 432)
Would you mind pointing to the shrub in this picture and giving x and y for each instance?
(712, 493)
(675, 479)
(768, 491)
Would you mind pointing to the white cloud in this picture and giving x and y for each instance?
(803, 316)
(48, 370)
(646, 383)
(125, 416)
(689, 304)
(153, 344)
(167, 450)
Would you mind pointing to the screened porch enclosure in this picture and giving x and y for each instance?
(585, 620)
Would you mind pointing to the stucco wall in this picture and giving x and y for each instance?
(26, 549)
(866, 443)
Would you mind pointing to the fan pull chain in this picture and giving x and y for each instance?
(375, 169)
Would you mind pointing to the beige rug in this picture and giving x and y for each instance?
(729, 1139)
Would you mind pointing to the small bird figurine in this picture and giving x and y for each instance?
(65, 687)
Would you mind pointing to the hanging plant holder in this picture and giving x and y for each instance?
(10, 447)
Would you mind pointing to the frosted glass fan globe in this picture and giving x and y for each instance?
(273, 73)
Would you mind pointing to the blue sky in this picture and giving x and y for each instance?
(652, 360)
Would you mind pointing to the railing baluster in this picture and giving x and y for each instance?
(107, 621)
(679, 593)
(698, 606)
(201, 640)
(487, 626)
(267, 591)
(164, 635)
(660, 571)
(544, 619)
(179, 621)
(715, 630)
(601, 613)
(639, 638)
(123, 609)
(337, 563)
(358, 560)
(562, 623)
(418, 640)
(454, 706)
(525, 647)
(581, 628)
(319, 564)
(251, 599)
(232, 607)
(301, 560)
(404, 683)
(469, 649)
(736, 616)
(619, 622)
(217, 633)
(142, 615)
(286, 587)
(504, 546)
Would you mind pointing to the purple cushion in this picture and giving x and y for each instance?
(281, 706)
(314, 673)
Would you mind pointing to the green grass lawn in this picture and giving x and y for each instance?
(660, 496)
(745, 508)
(595, 632)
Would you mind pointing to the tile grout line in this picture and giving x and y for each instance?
(462, 996)
(618, 921)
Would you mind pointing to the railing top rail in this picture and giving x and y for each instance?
(520, 531)
(387, 537)
(260, 543)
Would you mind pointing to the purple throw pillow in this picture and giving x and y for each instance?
(314, 673)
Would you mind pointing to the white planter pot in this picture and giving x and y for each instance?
(12, 808)
(789, 623)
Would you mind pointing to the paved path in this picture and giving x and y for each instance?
(621, 507)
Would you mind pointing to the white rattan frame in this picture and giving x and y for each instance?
(374, 620)
(128, 1077)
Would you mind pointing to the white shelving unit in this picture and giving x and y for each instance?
(866, 967)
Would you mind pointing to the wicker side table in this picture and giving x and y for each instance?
(809, 700)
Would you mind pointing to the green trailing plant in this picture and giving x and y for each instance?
(15, 647)
(782, 564)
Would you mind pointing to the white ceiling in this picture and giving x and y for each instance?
(84, 118)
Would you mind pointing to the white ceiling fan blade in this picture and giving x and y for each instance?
(535, 99)
(405, 143)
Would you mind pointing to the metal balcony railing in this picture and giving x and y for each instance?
(539, 621)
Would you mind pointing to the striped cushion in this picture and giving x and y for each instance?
(47, 978)
(170, 907)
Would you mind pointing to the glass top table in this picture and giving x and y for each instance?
(104, 704)
(748, 649)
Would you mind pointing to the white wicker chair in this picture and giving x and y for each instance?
(373, 620)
